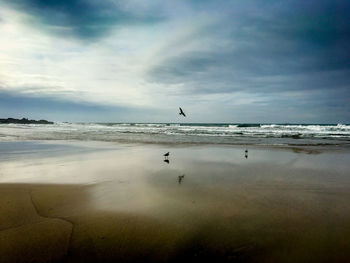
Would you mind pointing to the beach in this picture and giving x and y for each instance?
(69, 201)
(174, 131)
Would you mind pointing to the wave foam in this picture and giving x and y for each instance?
(214, 133)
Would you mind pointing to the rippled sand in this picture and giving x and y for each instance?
(92, 202)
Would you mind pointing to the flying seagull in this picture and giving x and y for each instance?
(181, 112)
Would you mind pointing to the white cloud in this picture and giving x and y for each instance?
(112, 70)
(193, 58)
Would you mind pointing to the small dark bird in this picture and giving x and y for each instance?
(167, 161)
(246, 151)
(166, 155)
(181, 112)
(246, 156)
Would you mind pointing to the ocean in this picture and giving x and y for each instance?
(184, 133)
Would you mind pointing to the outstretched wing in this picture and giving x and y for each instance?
(181, 112)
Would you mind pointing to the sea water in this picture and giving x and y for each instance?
(183, 133)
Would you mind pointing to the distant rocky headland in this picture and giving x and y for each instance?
(24, 121)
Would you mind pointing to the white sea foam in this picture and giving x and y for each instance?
(191, 133)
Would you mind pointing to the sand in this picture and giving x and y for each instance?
(109, 203)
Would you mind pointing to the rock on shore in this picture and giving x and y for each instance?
(25, 121)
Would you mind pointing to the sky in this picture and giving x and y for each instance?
(138, 61)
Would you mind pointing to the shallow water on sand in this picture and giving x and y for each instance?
(208, 202)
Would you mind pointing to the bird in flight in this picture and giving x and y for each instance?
(181, 112)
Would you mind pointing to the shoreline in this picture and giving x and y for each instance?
(111, 144)
(266, 135)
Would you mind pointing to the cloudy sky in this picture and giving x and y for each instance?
(137, 61)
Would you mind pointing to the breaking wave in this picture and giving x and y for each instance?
(217, 133)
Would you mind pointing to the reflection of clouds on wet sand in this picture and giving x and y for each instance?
(279, 205)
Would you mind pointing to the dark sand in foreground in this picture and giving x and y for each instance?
(122, 202)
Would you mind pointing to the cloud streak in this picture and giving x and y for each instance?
(84, 19)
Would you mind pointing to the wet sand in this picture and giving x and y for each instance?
(103, 203)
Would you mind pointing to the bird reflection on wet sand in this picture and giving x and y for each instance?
(167, 161)
(180, 178)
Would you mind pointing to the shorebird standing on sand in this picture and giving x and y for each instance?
(166, 155)
(181, 112)
(246, 153)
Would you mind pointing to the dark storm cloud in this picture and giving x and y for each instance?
(85, 19)
(277, 58)
(271, 46)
